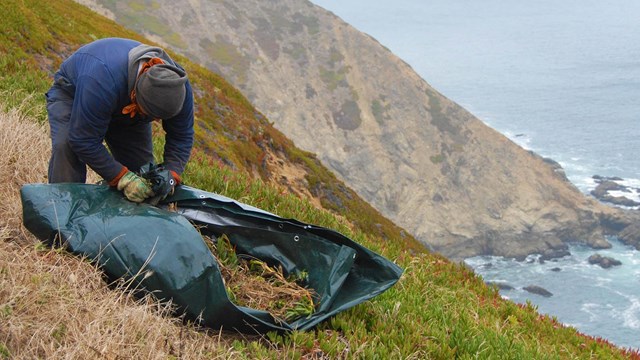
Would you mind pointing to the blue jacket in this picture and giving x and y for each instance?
(98, 76)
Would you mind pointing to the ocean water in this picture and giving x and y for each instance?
(558, 78)
(599, 302)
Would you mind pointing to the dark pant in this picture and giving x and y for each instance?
(131, 145)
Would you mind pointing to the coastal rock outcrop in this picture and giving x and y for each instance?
(604, 262)
(625, 225)
(606, 185)
(630, 235)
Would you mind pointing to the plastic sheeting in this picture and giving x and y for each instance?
(160, 251)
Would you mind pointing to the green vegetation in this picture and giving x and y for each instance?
(438, 118)
(138, 12)
(278, 23)
(438, 309)
(225, 53)
(333, 79)
(379, 111)
(311, 23)
(335, 57)
(296, 50)
(136, 6)
(151, 24)
(4, 352)
(348, 118)
(437, 159)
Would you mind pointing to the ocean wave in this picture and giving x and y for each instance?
(630, 316)
(522, 139)
(592, 310)
(635, 183)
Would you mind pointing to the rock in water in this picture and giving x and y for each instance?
(500, 285)
(534, 289)
(605, 185)
(605, 262)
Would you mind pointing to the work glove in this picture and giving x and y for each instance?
(134, 187)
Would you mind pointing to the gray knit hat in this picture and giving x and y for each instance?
(161, 91)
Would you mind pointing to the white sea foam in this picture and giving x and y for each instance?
(631, 194)
(592, 310)
(631, 315)
(630, 182)
(585, 183)
(522, 139)
(601, 281)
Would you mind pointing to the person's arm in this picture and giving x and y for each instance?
(94, 102)
(179, 136)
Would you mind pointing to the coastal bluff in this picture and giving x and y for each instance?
(458, 186)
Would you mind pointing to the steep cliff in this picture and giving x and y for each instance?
(423, 161)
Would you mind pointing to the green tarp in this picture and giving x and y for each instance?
(160, 251)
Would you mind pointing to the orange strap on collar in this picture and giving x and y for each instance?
(133, 109)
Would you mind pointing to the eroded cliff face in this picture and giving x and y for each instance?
(426, 163)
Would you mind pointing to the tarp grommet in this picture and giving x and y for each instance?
(296, 238)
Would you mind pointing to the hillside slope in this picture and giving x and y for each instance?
(420, 159)
(53, 305)
(228, 128)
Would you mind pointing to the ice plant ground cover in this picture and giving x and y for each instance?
(53, 305)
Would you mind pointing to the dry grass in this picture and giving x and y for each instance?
(252, 283)
(54, 305)
(25, 150)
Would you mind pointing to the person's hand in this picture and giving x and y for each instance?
(134, 187)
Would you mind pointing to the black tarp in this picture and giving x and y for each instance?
(162, 252)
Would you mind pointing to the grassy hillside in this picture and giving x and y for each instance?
(53, 305)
